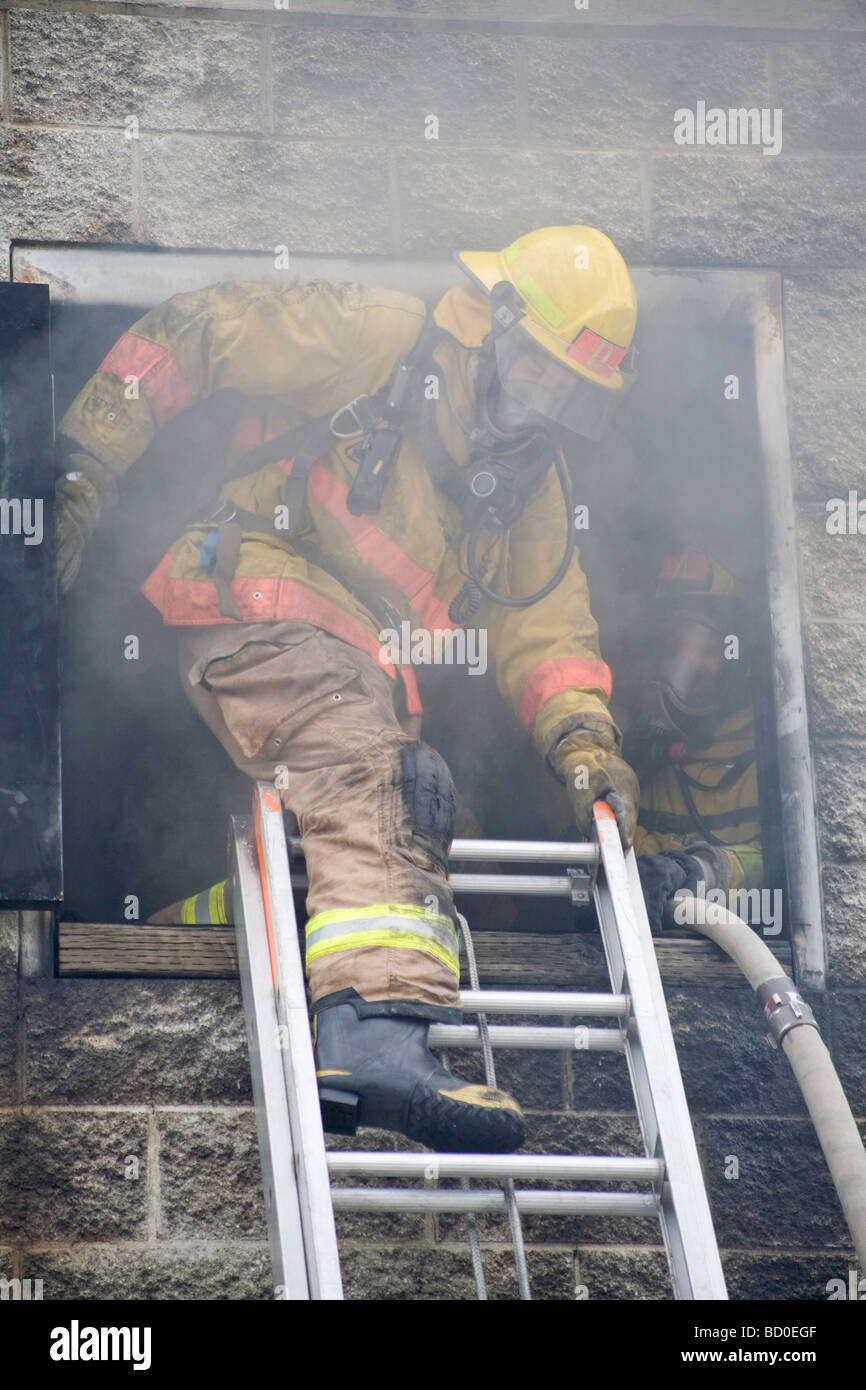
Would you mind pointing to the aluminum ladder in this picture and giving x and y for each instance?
(297, 1169)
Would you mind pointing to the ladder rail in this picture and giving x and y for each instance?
(282, 1203)
(686, 1221)
(287, 973)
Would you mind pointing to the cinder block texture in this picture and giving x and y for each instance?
(600, 91)
(92, 69)
(210, 1176)
(820, 89)
(229, 191)
(827, 429)
(783, 1195)
(63, 1175)
(624, 1273)
(841, 810)
(192, 1270)
(836, 678)
(354, 83)
(799, 1276)
(135, 1041)
(65, 184)
(844, 915)
(406, 1274)
(825, 326)
(721, 1040)
(848, 1013)
(458, 199)
(833, 566)
(753, 209)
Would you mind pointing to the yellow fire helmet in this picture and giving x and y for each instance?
(569, 293)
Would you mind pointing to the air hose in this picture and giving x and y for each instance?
(475, 575)
(791, 1026)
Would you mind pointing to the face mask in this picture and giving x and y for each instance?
(534, 382)
(692, 690)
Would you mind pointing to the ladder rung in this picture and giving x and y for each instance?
(508, 851)
(525, 851)
(526, 1037)
(395, 1199)
(504, 1001)
(525, 1167)
(529, 885)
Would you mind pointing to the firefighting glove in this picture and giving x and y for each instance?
(662, 875)
(589, 764)
(79, 497)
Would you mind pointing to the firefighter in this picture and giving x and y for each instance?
(391, 465)
(692, 740)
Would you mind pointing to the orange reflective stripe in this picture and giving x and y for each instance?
(413, 694)
(266, 599)
(270, 599)
(157, 373)
(379, 550)
(550, 678)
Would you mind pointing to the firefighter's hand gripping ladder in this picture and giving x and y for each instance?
(296, 1167)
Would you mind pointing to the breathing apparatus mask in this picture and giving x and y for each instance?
(696, 682)
(528, 407)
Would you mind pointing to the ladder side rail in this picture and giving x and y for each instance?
(687, 1227)
(635, 1059)
(282, 1203)
(317, 1209)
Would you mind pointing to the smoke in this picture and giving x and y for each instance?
(148, 790)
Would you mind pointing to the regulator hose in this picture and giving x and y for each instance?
(472, 543)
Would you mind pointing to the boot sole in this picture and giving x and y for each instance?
(436, 1121)
(439, 1122)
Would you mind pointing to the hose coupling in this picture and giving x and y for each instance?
(784, 1008)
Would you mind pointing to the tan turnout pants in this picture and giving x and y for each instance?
(375, 806)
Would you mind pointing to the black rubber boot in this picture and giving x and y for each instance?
(380, 1071)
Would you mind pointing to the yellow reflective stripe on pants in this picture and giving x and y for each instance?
(386, 925)
(216, 904)
(206, 908)
(400, 939)
(187, 911)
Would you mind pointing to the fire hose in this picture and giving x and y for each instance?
(792, 1027)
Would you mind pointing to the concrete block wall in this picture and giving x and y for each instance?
(129, 1166)
(257, 127)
